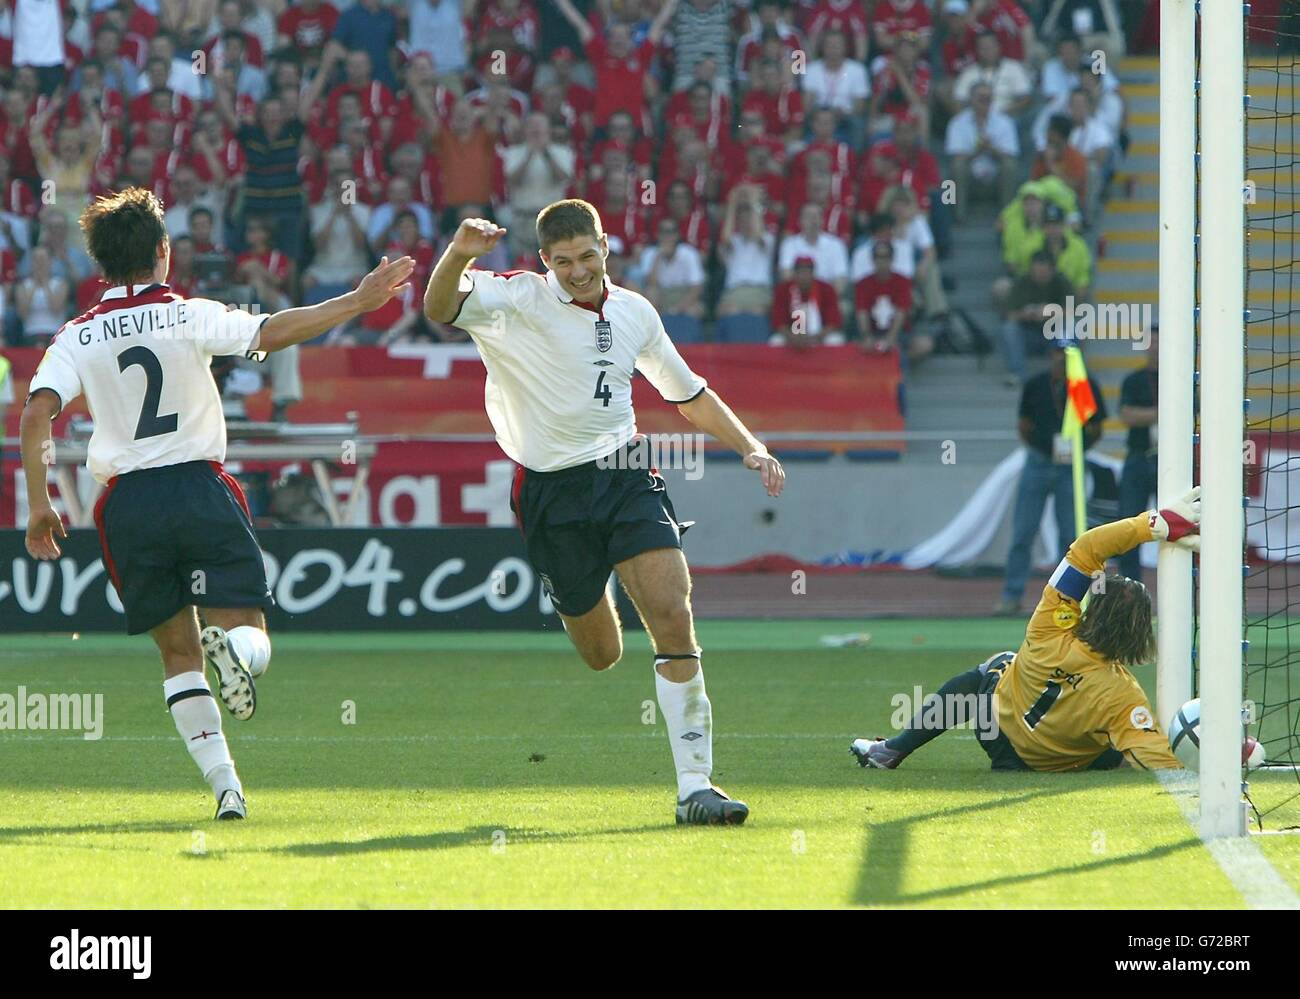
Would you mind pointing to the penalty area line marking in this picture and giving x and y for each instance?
(1240, 858)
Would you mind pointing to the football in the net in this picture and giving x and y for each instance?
(1185, 739)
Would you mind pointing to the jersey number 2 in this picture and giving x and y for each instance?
(603, 391)
(150, 423)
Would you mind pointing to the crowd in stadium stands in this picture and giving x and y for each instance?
(771, 171)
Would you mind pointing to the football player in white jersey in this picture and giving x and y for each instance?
(174, 527)
(560, 352)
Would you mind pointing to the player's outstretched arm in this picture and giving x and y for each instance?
(710, 414)
(291, 326)
(43, 524)
(443, 297)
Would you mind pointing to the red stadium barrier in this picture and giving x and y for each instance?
(820, 390)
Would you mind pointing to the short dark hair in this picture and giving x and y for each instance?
(567, 219)
(123, 232)
(1117, 622)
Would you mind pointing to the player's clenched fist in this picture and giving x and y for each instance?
(384, 282)
(476, 237)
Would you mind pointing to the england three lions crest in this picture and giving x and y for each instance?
(604, 335)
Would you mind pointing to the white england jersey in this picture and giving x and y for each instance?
(559, 372)
(141, 357)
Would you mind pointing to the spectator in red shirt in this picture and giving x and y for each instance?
(957, 50)
(825, 128)
(377, 101)
(402, 319)
(709, 113)
(17, 200)
(306, 27)
(623, 80)
(901, 160)
(203, 233)
(1008, 20)
(762, 172)
(691, 218)
(230, 16)
(581, 98)
(92, 94)
(158, 96)
(806, 311)
(622, 128)
(516, 18)
(133, 46)
(894, 18)
(501, 107)
(134, 19)
(749, 48)
(846, 16)
(272, 276)
(182, 278)
(217, 157)
(900, 86)
(141, 170)
(424, 99)
(779, 101)
(883, 300)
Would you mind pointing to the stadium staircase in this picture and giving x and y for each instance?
(1125, 247)
(1127, 265)
(958, 393)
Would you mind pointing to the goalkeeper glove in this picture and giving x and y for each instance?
(1179, 523)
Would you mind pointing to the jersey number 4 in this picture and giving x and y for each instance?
(150, 423)
(603, 391)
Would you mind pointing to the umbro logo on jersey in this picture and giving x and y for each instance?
(602, 363)
(604, 335)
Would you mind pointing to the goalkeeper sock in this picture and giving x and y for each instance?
(688, 717)
(252, 646)
(198, 720)
(938, 712)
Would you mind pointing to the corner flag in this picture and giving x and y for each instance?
(1080, 405)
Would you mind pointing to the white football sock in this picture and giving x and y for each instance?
(198, 720)
(252, 646)
(688, 717)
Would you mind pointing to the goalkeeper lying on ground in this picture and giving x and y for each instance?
(1066, 700)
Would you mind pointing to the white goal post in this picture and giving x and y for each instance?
(1222, 326)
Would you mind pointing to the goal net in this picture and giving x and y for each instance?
(1272, 413)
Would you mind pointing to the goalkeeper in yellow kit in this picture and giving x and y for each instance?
(1066, 700)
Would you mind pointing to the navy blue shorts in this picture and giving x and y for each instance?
(578, 523)
(179, 536)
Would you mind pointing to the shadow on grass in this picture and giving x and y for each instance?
(8, 833)
(885, 856)
(449, 839)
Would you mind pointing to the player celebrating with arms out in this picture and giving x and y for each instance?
(560, 352)
(173, 525)
(1066, 700)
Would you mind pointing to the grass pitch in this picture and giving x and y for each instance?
(494, 770)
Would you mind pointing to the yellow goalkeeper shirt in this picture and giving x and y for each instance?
(1060, 703)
